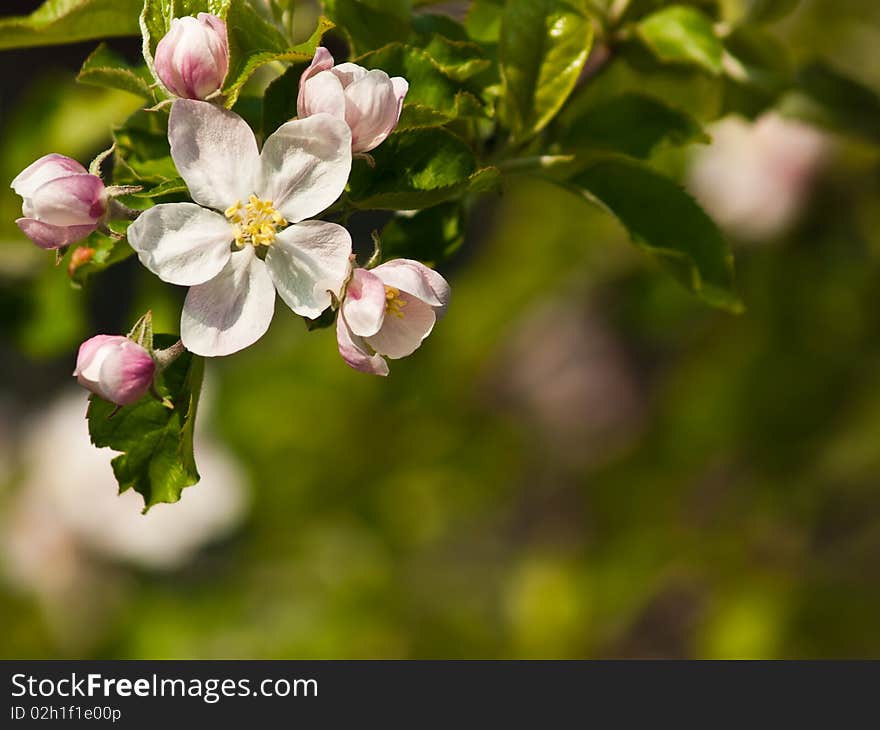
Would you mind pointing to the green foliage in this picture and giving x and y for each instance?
(431, 236)
(825, 96)
(366, 26)
(544, 46)
(69, 21)
(664, 220)
(435, 98)
(683, 34)
(105, 68)
(156, 441)
(632, 123)
(414, 169)
(254, 43)
(768, 11)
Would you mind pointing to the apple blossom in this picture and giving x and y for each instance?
(755, 177)
(62, 202)
(387, 312)
(260, 241)
(192, 59)
(115, 368)
(369, 101)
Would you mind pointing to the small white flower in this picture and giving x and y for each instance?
(388, 312)
(236, 259)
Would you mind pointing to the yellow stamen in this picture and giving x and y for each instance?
(393, 303)
(255, 223)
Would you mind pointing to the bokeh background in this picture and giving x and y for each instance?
(582, 461)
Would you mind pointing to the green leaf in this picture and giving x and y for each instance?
(683, 34)
(768, 11)
(544, 46)
(828, 98)
(760, 71)
(365, 25)
(664, 220)
(143, 155)
(414, 169)
(459, 60)
(430, 236)
(253, 43)
(483, 20)
(107, 252)
(434, 99)
(70, 21)
(156, 441)
(632, 123)
(105, 68)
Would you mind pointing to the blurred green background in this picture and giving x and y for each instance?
(582, 461)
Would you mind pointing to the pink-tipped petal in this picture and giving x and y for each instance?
(322, 61)
(42, 171)
(371, 110)
(48, 236)
(403, 332)
(322, 94)
(354, 351)
(364, 303)
(115, 368)
(401, 88)
(192, 59)
(417, 279)
(78, 199)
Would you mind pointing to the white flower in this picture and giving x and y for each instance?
(388, 312)
(369, 101)
(755, 178)
(235, 260)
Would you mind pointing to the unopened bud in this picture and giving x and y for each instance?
(192, 60)
(115, 368)
(62, 202)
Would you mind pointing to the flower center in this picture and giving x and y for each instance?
(255, 223)
(393, 303)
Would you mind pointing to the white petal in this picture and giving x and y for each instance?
(231, 311)
(401, 335)
(348, 73)
(372, 110)
(417, 279)
(307, 261)
(322, 61)
(322, 93)
(215, 153)
(364, 303)
(182, 243)
(305, 166)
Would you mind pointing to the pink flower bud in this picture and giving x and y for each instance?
(192, 60)
(115, 368)
(369, 101)
(62, 202)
